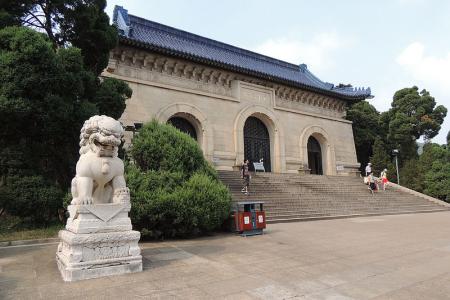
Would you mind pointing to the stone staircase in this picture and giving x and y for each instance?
(294, 197)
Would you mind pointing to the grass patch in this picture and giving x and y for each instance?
(13, 229)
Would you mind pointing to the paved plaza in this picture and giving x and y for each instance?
(382, 257)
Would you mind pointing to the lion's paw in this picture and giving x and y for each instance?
(82, 201)
(87, 201)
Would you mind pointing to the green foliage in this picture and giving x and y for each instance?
(41, 125)
(203, 203)
(437, 180)
(174, 191)
(430, 172)
(52, 81)
(413, 114)
(43, 104)
(166, 205)
(78, 23)
(31, 197)
(11, 11)
(13, 228)
(435, 163)
(110, 97)
(162, 147)
(366, 129)
(381, 160)
(412, 175)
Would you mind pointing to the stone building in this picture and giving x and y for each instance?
(236, 103)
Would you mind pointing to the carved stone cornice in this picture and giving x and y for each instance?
(151, 66)
(328, 105)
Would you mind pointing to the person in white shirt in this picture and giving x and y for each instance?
(368, 169)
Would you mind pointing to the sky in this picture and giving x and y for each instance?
(384, 45)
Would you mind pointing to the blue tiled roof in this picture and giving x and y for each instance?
(177, 42)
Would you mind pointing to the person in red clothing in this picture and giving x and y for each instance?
(384, 179)
(245, 176)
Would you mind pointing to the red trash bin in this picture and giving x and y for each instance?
(250, 218)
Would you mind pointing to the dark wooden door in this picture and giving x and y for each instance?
(256, 142)
(314, 156)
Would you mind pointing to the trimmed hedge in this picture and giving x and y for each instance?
(174, 190)
(32, 198)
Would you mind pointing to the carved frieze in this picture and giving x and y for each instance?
(305, 101)
(161, 69)
(154, 67)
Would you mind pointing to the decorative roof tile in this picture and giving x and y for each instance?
(156, 36)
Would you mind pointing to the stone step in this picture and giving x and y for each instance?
(305, 197)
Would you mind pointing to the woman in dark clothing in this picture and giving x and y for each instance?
(245, 176)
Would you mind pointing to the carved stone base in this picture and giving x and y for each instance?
(91, 255)
(98, 218)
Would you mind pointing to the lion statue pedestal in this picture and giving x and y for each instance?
(98, 239)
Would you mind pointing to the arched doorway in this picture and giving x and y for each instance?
(183, 125)
(314, 156)
(256, 142)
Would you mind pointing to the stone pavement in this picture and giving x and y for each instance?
(383, 257)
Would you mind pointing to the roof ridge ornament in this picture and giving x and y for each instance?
(121, 20)
(303, 67)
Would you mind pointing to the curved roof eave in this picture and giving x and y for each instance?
(230, 67)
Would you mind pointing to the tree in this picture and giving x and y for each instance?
(412, 174)
(437, 180)
(50, 85)
(110, 97)
(366, 129)
(412, 115)
(429, 172)
(381, 160)
(435, 164)
(75, 23)
(79, 23)
(44, 101)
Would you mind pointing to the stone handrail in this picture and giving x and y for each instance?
(413, 192)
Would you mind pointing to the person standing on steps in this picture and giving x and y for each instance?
(368, 169)
(384, 179)
(372, 183)
(245, 176)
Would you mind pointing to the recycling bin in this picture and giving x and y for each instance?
(249, 217)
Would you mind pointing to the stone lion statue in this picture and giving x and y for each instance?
(99, 173)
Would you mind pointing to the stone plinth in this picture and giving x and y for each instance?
(98, 241)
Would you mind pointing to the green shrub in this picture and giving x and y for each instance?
(32, 198)
(165, 206)
(162, 147)
(175, 192)
(204, 203)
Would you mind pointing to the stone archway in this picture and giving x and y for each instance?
(327, 152)
(276, 135)
(183, 124)
(314, 156)
(257, 143)
(196, 118)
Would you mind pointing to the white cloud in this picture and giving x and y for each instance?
(316, 53)
(431, 70)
